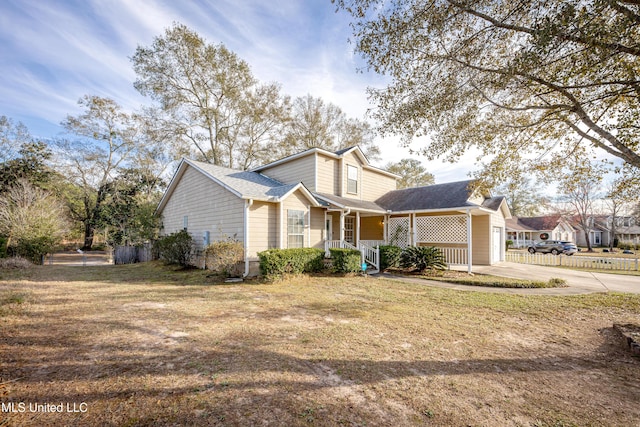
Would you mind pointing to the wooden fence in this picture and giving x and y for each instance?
(132, 254)
(588, 262)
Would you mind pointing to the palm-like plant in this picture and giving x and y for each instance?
(422, 258)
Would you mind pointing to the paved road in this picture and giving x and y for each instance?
(578, 280)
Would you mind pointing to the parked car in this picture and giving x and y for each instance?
(554, 247)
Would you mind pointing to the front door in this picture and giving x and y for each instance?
(348, 229)
(328, 229)
(497, 244)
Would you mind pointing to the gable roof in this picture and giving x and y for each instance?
(243, 184)
(335, 155)
(438, 196)
(534, 223)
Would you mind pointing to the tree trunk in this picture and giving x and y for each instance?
(586, 239)
(88, 235)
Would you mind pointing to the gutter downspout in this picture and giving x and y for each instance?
(247, 206)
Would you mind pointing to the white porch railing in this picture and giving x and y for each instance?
(332, 244)
(455, 256)
(373, 243)
(370, 255)
(521, 243)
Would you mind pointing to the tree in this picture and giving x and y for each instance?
(32, 219)
(523, 81)
(523, 197)
(107, 142)
(201, 86)
(579, 188)
(12, 137)
(316, 124)
(616, 203)
(412, 173)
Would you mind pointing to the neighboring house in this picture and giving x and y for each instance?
(524, 231)
(324, 199)
(602, 230)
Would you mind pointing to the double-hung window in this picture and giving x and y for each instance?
(295, 229)
(352, 179)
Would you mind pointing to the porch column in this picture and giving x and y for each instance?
(385, 226)
(324, 225)
(280, 226)
(342, 226)
(469, 245)
(357, 242)
(414, 226)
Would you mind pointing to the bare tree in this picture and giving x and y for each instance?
(32, 219)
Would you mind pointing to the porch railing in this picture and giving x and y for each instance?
(370, 255)
(455, 256)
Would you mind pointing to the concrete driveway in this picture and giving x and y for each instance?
(579, 280)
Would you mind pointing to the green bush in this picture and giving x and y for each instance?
(276, 262)
(346, 260)
(176, 248)
(390, 256)
(508, 244)
(223, 256)
(422, 258)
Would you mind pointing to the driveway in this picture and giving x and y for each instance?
(579, 280)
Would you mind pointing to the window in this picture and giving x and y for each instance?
(295, 229)
(352, 179)
(348, 229)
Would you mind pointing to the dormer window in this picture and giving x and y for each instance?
(352, 179)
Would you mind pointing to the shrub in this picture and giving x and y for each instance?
(224, 256)
(422, 258)
(3, 247)
(15, 263)
(176, 248)
(556, 282)
(390, 257)
(276, 262)
(346, 260)
(508, 244)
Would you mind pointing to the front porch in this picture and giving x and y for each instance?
(454, 233)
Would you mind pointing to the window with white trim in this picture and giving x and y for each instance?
(295, 229)
(352, 179)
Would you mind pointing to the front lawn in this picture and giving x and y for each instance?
(150, 345)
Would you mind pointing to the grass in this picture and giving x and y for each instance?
(149, 345)
(496, 281)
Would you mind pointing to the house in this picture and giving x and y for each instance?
(323, 199)
(603, 233)
(524, 231)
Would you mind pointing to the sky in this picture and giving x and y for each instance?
(53, 52)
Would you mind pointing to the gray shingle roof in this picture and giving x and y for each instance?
(438, 196)
(352, 203)
(246, 184)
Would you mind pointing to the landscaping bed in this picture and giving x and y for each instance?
(488, 280)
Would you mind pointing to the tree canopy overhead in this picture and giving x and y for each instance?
(524, 81)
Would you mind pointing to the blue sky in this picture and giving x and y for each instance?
(52, 52)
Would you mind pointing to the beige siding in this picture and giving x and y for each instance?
(351, 160)
(207, 206)
(317, 228)
(263, 227)
(295, 171)
(296, 201)
(375, 184)
(481, 239)
(328, 175)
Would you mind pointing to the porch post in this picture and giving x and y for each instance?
(324, 226)
(357, 242)
(342, 226)
(414, 226)
(469, 245)
(280, 226)
(385, 226)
